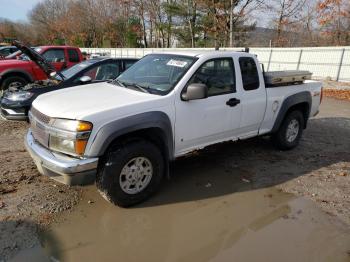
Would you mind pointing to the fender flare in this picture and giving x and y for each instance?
(111, 131)
(302, 97)
(14, 71)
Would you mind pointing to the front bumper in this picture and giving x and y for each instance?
(62, 168)
(13, 114)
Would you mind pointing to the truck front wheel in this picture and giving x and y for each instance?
(290, 131)
(13, 82)
(130, 173)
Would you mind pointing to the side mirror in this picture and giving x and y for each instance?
(85, 79)
(194, 92)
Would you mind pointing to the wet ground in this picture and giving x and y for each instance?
(259, 225)
(226, 203)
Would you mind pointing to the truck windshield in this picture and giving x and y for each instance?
(157, 73)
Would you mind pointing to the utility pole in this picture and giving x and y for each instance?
(231, 24)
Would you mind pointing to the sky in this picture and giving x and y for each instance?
(16, 10)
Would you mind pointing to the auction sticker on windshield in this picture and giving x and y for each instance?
(177, 63)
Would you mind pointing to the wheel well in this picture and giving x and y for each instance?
(20, 74)
(304, 108)
(154, 135)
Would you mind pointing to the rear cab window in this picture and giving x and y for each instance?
(249, 72)
(73, 56)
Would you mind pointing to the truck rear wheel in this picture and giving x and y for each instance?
(290, 131)
(13, 82)
(130, 173)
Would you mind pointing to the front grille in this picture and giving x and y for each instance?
(40, 116)
(38, 123)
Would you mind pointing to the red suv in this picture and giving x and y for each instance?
(21, 71)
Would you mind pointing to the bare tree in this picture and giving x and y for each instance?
(334, 19)
(285, 14)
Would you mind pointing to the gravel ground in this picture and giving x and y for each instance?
(318, 169)
(27, 199)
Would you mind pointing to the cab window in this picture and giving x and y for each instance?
(249, 71)
(54, 55)
(218, 75)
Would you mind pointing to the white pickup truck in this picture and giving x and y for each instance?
(124, 133)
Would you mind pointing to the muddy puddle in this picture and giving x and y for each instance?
(256, 225)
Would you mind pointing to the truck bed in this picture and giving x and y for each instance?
(288, 77)
(278, 94)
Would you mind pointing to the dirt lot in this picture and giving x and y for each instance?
(339, 90)
(26, 197)
(319, 169)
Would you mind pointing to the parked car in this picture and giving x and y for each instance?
(17, 101)
(19, 72)
(99, 54)
(124, 133)
(7, 50)
(15, 55)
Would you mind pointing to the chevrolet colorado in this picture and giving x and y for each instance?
(124, 133)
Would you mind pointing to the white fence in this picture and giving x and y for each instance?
(323, 62)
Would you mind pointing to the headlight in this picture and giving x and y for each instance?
(69, 136)
(18, 96)
(72, 125)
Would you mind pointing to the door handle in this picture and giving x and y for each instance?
(233, 102)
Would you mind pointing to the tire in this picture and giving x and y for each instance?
(12, 81)
(118, 172)
(288, 135)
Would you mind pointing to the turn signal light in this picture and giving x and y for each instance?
(80, 146)
(84, 126)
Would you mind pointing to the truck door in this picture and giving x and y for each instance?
(215, 118)
(253, 97)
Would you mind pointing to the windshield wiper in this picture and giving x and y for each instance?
(118, 82)
(126, 85)
(143, 89)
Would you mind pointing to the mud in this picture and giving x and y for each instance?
(256, 225)
(227, 202)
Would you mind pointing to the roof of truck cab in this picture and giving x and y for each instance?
(201, 53)
(56, 46)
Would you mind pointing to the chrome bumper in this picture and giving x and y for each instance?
(10, 114)
(64, 169)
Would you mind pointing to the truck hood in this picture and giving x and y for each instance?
(35, 57)
(85, 102)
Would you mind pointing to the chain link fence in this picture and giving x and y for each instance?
(323, 62)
